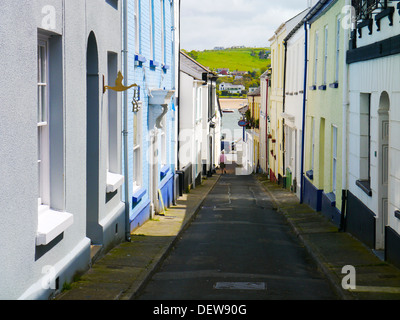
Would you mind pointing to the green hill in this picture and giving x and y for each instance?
(243, 59)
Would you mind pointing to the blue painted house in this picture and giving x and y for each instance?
(150, 115)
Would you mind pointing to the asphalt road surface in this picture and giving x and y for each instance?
(238, 248)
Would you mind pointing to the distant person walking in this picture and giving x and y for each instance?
(222, 161)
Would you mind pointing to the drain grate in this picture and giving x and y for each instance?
(240, 286)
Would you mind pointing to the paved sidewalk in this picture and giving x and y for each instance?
(332, 250)
(125, 269)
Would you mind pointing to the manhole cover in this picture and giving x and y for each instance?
(240, 286)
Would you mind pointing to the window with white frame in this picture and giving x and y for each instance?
(313, 142)
(198, 103)
(137, 149)
(337, 49)
(365, 137)
(334, 157)
(162, 31)
(42, 122)
(316, 59)
(136, 17)
(151, 26)
(164, 142)
(326, 55)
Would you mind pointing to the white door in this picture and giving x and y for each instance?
(383, 170)
(153, 178)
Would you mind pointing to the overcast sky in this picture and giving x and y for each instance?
(206, 24)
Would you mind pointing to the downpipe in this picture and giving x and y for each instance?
(125, 129)
(304, 111)
(344, 139)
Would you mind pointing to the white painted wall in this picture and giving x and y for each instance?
(73, 21)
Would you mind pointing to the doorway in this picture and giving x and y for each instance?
(93, 229)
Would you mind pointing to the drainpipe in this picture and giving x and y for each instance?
(266, 129)
(179, 85)
(125, 129)
(304, 111)
(344, 127)
(283, 109)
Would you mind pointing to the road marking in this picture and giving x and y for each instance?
(240, 286)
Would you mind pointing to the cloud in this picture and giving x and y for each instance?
(209, 23)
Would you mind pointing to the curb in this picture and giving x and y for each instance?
(145, 277)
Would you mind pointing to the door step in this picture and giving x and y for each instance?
(380, 254)
(95, 250)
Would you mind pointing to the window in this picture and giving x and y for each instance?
(113, 3)
(337, 50)
(136, 17)
(52, 218)
(42, 123)
(334, 157)
(365, 142)
(162, 31)
(316, 59)
(313, 143)
(137, 150)
(151, 26)
(164, 142)
(112, 112)
(326, 55)
(199, 103)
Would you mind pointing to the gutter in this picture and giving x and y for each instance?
(344, 127)
(283, 106)
(179, 85)
(304, 111)
(125, 129)
(314, 10)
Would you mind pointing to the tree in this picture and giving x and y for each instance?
(193, 54)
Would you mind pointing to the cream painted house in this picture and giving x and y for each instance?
(374, 128)
(323, 183)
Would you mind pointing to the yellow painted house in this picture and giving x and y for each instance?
(323, 185)
(275, 107)
(275, 111)
(254, 103)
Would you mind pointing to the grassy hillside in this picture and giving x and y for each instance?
(234, 59)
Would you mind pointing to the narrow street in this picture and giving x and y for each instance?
(238, 248)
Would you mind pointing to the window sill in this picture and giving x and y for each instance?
(138, 194)
(331, 197)
(165, 67)
(114, 181)
(139, 60)
(154, 64)
(365, 185)
(164, 171)
(51, 224)
(334, 85)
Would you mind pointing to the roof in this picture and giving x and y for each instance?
(255, 92)
(243, 109)
(266, 73)
(192, 67)
(311, 16)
